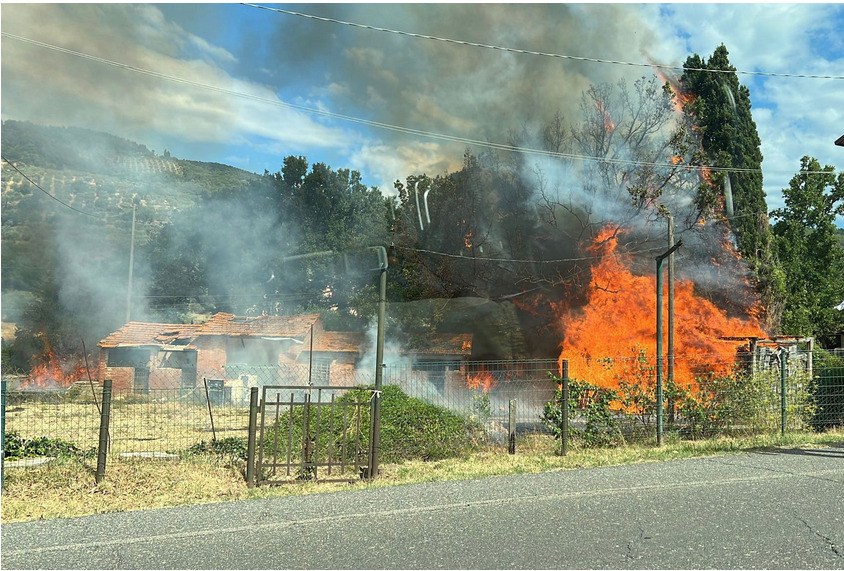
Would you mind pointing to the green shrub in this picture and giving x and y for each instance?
(410, 429)
(827, 388)
(15, 447)
(594, 405)
(414, 429)
(233, 448)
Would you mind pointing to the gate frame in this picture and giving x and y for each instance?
(360, 467)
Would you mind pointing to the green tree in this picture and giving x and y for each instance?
(721, 110)
(807, 246)
(233, 252)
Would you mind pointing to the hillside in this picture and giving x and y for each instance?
(100, 176)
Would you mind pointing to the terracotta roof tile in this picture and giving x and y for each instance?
(448, 344)
(264, 325)
(339, 341)
(136, 333)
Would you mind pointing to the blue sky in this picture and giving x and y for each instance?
(398, 80)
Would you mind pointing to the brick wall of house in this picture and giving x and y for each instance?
(210, 357)
(121, 377)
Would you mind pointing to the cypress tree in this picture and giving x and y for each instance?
(720, 108)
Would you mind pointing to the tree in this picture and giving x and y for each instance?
(807, 246)
(639, 169)
(233, 252)
(721, 110)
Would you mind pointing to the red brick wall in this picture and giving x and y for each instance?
(210, 358)
(121, 377)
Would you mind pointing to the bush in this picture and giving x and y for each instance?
(233, 448)
(827, 388)
(591, 402)
(411, 429)
(15, 447)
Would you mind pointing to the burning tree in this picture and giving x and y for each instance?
(719, 108)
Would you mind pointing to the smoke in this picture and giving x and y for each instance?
(441, 87)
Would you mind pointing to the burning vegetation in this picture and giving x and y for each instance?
(618, 322)
(53, 372)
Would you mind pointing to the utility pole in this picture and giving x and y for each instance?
(131, 266)
(375, 435)
(670, 317)
(659, 412)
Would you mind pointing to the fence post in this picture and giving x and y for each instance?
(2, 434)
(783, 372)
(512, 435)
(250, 442)
(564, 429)
(104, 421)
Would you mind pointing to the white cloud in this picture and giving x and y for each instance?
(46, 86)
(794, 116)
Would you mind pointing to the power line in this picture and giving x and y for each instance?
(388, 126)
(535, 53)
(376, 124)
(33, 183)
(484, 259)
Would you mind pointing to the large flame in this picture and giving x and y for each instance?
(615, 333)
(53, 372)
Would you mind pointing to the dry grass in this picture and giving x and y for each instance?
(157, 426)
(66, 488)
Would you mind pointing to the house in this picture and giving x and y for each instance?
(257, 351)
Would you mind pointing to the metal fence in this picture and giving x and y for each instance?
(710, 394)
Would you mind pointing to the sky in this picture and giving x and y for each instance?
(246, 86)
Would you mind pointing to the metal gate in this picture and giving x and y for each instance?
(318, 433)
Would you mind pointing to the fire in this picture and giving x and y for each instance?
(609, 126)
(614, 335)
(681, 98)
(467, 239)
(482, 380)
(53, 372)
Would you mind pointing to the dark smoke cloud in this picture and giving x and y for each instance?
(456, 89)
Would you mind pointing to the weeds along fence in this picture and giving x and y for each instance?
(612, 400)
(172, 419)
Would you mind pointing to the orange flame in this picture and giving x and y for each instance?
(482, 380)
(618, 323)
(53, 372)
(609, 126)
(681, 98)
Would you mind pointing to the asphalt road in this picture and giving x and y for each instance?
(779, 510)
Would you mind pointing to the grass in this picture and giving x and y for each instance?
(155, 426)
(65, 487)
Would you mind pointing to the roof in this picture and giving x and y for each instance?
(140, 334)
(137, 334)
(448, 344)
(340, 341)
(264, 325)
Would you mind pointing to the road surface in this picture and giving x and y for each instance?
(773, 510)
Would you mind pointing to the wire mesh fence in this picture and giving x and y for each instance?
(613, 400)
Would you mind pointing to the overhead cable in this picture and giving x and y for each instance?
(381, 125)
(36, 185)
(536, 53)
(485, 259)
